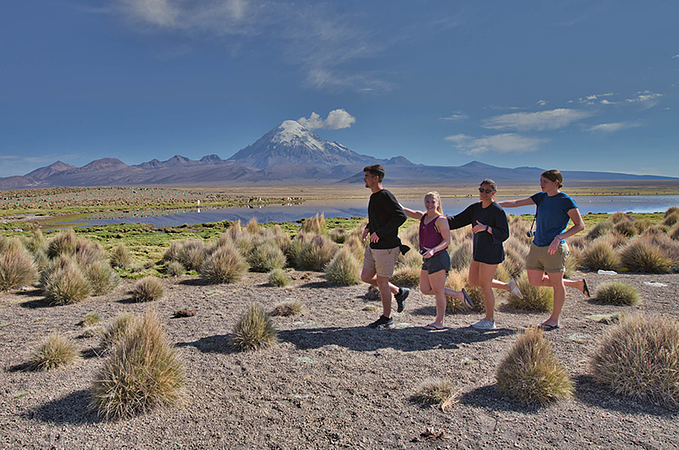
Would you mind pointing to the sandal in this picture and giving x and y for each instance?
(433, 326)
(585, 288)
(467, 299)
(547, 326)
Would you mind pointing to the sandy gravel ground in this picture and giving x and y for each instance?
(330, 383)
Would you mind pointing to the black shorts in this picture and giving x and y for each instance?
(436, 263)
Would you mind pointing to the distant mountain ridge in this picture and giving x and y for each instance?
(289, 154)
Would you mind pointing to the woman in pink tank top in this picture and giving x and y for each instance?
(434, 238)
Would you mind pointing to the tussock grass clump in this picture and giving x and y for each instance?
(57, 350)
(356, 246)
(344, 269)
(645, 257)
(641, 225)
(287, 309)
(620, 217)
(600, 255)
(617, 293)
(626, 228)
(671, 210)
(101, 277)
(17, 267)
(116, 331)
(531, 373)
(147, 289)
(66, 285)
(674, 234)
(225, 265)
(406, 275)
(88, 252)
(461, 256)
(252, 227)
(278, 278)
(90, 319)
(36, 242)
(172, 252)
(436, 392)
(639, 358)
(190, 252)
(175, 269)
(254, 331)
(316, 253)
(63, 242)
(143, 371)
(338, 235)
(671, 220)
(600, 229)
(266, 257)
(314, 225)
(120, 256)
(535, 298)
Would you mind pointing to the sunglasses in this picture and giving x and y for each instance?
(487, 191)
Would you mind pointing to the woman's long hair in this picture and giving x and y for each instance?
(437, 197)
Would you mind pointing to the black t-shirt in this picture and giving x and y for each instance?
(385, 215)
(487, 247)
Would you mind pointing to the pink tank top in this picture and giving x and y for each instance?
(429, 235)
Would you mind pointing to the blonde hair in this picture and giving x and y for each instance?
(437, 197)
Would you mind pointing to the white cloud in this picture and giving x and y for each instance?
(646, 99)
(612, 127)
(515, 108)
(337, 119)
(456, 115)
(543, 120)
(542, 102)
(675, 56)
(500, 143)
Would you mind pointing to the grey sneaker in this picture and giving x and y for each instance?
(514, 289)
(382, 322)
(401, 298)
(484, 324)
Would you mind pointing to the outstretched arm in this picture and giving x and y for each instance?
(515, 203)
(413, 214)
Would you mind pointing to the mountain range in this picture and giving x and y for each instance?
(290, 154)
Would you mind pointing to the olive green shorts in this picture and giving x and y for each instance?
(540, 259)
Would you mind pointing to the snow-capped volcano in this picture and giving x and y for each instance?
(291, 143)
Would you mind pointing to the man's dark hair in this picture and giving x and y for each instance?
(375, 170)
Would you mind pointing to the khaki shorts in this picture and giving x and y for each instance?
(540, 259)
(381, 260)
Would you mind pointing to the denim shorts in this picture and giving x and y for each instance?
(438, 262)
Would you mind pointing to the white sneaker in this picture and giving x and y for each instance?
(484, 324)
(514, 289)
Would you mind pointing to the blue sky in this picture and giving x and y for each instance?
(573, 85)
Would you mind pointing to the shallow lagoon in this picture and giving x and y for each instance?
(358, 207)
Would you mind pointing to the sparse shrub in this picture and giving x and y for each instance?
(287, 309)
(535, 298)
(278, 278)
(531, 373)
(57, 350)
(225, 265)
(90, 319)
(63, 242)
(461, 256)
(16, 268)
(671, 220)
(175, 269)
(600, 229)
(344, 269)
(254, 331)
(617, 293)
(314, 225)
(407, 275)
(142, 372)
(117, 330)
(338, 235)
(67, 285)
(147, 289)
(316, 253)
(120, 256)
(192, 254)
(101, 277)
(642, 256)
(626, 228)
(600, 255)
(436, 392)
(639, 358)
(266, 257)
(172, 252)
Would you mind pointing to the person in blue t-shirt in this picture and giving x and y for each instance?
(548, 252)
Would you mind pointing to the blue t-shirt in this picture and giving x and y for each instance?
(552, 216)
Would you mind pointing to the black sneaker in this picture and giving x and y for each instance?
(401, 298)
(382, 322)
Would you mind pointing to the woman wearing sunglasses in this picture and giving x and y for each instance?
(547, 256)
(490, 227)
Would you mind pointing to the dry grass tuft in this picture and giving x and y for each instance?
(175, 269)
(101, 277)
(63, 243)
(531, 373)
(671, 220)
(142, 372)
(600, 229)
(57, 350)
(116, 331)
(344, 269)
(254, 331)
(225, 265)
(639, 358)
(338, 235)
(120, 256)
(17, 267)
(437, 392)
(535, 298)
(461, 256)
(252, 227)
(287, 309)
(266, 256)
(314, 225)
(90, 319)
(66, 284)
(617, 293)
(406, 275)
(278, 278)
(147, 289)
(315, 253)
(626, 228)
(642, 256)
(600, 255)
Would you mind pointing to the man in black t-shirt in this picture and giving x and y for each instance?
(385, 215)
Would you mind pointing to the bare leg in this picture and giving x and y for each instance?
(385, 293)
(555, 281)
(370, 276)
(486, 273)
